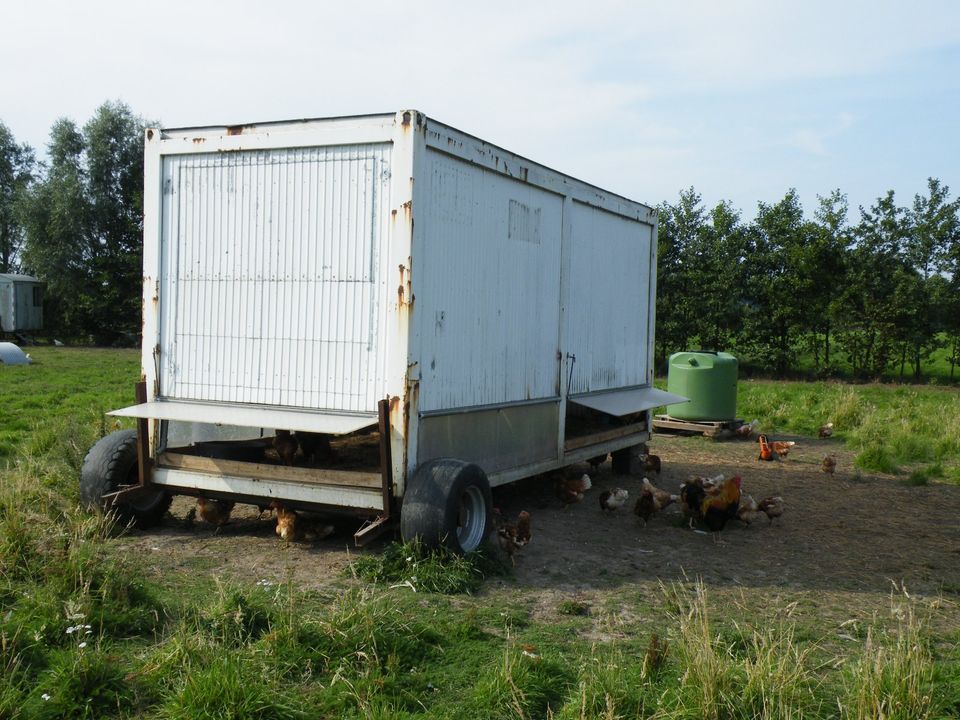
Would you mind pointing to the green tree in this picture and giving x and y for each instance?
(17, 165)
(826, 268)
(877, 281)
(84, 225)
(777, 286)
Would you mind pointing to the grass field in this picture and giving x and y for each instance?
(89, 629)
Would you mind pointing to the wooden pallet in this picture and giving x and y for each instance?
(707, 428)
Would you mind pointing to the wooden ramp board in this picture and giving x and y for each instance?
(708, 428)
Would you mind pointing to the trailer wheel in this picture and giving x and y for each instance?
(111, 464)
(447, 503)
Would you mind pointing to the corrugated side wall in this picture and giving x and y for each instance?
(272, 285)
(488, 263)
(607, 304)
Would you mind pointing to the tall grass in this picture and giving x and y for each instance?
(889, 427)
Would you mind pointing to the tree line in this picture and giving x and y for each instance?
(872, 298)
(76, 221)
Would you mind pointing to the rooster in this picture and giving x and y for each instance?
(661, 498)
(767, 453)
(782, 447)
(829, 464)
(611, 500)
(772, 507)
(825, 431)
(215, 512)
(713, 510)
(571, 490)
(286, 446)
(513, 536)
(747, 429)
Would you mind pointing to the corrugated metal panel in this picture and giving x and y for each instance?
(627, 402)
(272, 277)
(607, 308)
(487, 263)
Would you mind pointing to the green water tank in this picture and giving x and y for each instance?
(709, 379)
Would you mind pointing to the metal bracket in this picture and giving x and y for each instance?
(374, 528)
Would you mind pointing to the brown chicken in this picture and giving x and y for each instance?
(646, 506)
(286, 446)
(215, 512)
(613, 499)
(314, 446)
(749, 510)
(772, 507)
(825, 431)
(829, 464)
(660, 497)
(291, 526)
(571, 490)
(513, 536)
(782, 447)
(651, 463)
(747, 429)
(597, 461)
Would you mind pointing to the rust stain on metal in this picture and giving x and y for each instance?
(198, 140)
(406, 120)
(235, 130)
(149, 134)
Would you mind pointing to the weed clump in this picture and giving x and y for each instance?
(438, 570)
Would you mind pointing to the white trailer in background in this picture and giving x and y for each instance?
(468, 316)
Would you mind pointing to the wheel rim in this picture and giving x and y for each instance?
(472, 519)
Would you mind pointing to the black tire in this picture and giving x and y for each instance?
(447, 503)
(110, 465)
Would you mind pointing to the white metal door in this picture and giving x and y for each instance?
(271, 283)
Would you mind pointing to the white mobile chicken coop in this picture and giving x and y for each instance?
(21, 303)
(436, 314)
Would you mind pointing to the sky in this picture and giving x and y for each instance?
(740, 99)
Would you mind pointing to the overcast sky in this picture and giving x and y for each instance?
(742, 100)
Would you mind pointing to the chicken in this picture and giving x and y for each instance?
(597, 461)
(747, 429)
(651, 463)
(291, 526)
(571, 490)
(829, 464)
(713, 510)
(661, 498)
(645, 506)
(286, 522)
(613, 499)
(513, 536)
(314, 446)
(782, 447)
(825, 431)
(286, 446)
(767, 452)
(772, 507)
(692, 496)
(749, 510)
(215, 512)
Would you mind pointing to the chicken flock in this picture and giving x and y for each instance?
(707, 502)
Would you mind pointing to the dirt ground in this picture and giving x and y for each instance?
(847, 533)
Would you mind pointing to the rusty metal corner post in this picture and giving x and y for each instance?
(144, 462)
(377, 527)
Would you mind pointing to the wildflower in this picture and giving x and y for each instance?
(45, 697)
(82, 645)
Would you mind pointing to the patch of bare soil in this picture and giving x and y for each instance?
(846, 533)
